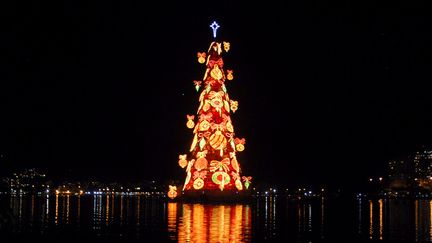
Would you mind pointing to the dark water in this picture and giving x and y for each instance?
(108, 218)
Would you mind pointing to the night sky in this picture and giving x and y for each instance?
(327, 92)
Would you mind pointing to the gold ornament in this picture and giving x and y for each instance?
(226, 46)
(230, 75)
(182, 160)
(201, 57)
(172, 193)
(240, 147)
(234, 105)
(201, 163)
(190, 123)
(198, 184)
(217, 140)
(216, 73)
(240, 144)
(204, 125)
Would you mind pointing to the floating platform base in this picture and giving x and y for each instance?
(215, 196)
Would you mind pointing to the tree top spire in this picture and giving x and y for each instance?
(214, 26)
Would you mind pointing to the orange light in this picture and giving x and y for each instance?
(226, 46)
(240, 147)
(230, 75)
(172, 193)
(201, 57)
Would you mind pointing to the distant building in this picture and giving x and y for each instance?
(423, 164)
(412, 172)
(401, 174)
(423, 168)
(28, 181)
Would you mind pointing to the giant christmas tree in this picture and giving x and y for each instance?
(212, 165)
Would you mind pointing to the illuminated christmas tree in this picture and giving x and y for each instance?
(212, 165)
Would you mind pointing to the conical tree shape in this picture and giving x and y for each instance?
(212, 162)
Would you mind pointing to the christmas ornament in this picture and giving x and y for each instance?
(172, 192)
(240, 147)
(198, 184)
(197, 84)
(190, 123)
(247, 181)
(182, 160)
(234, 105)
(240, 144)
(220, 178)
(216, 73)
(230, 75)
(217, 140)
(201, 163)
(204, 126)
(226, 46)
(201, 57)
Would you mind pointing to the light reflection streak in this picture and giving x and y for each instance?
(359, 216)
(172, 220)
(138, 210)
(380, 219)
(121, 210)
(79, 209)
(56, 209)
(67, 209)
(309, 217)
(32, 209)
(430, 220)
(322, 218)
(370, 219)
(211, 223)
(107, 210)
(416, 219)
(47, 207)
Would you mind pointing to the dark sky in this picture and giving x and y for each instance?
(328, 92)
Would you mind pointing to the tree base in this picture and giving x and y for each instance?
(215, 196)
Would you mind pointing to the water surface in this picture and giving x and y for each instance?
(116, 218)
